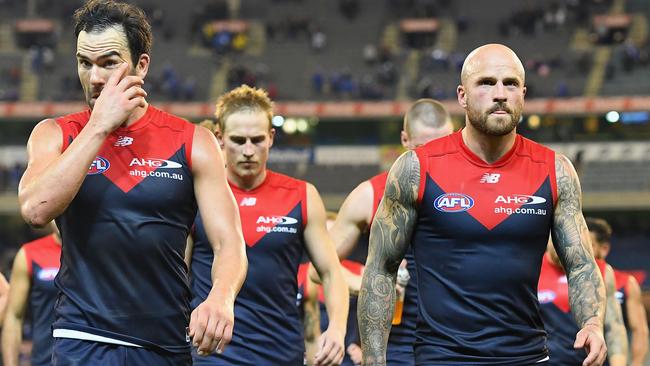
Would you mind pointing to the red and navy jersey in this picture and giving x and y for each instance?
(553, 294)
(478, 243)
(622, 279)
(43, 258)
(122, 270)
(268, 329)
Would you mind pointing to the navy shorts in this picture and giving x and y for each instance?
(75, 352)
(400, 355)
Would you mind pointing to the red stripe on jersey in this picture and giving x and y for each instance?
(45, 252)
(378, 183)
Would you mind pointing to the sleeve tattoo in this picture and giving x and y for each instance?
(615, 333)
(573, 245)
(390, 235)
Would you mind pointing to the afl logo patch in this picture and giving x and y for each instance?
(47, 274)
(453, 202)
(546, 296)
(99, 166)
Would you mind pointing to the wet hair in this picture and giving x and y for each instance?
(601, 228)
(97, 15)
(426, 112)
(243, 98)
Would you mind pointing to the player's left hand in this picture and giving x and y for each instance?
(590, 337)
(331, 348)
(211, 326)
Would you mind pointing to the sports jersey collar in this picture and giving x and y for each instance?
(140, 123)
(474, 159)
(234, 187)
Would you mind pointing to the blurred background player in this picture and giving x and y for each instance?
(553, 294)
(4, 297)
(457, 201)
(281, 217)
(425, 120)
(124, 180)
(33, 292)
(628, 293)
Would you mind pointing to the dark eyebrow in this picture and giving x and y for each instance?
(511, 80)
(106, 55)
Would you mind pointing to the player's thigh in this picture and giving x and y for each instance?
(144, 356)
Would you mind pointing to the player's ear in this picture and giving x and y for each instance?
(462, 97)
(142, 67)
(404, 138)
(271, 136)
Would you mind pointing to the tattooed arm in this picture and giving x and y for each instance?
(390, 235)
(573, 246)
(615, 333)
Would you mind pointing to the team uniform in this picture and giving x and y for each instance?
(43, 258)
(268, 329)
(478, 243)
(553, 294)
(124, 294)
(621, 279)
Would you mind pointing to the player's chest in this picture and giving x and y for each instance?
(272, 217)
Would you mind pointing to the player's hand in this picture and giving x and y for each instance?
(119, 97)
(211, 326)
(354, 352)
(331, 348)
(590, 337)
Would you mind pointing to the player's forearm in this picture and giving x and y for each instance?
(47, 195)
(375, 309)
(616, 360)
(11, 340)
(337, 297)
(639, 346)
(229, 270)
(587, 294)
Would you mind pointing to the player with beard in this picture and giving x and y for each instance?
(477, 207)
(123, 180)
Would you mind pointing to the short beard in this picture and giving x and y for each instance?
(479, 121)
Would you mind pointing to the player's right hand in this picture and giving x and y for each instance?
(211, 326)
(119, 97)
(590, 337)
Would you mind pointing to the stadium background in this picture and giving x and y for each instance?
(343, 72)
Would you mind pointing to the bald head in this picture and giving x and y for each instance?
(426, 120)
(490, 56)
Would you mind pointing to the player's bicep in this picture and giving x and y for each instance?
(43, 147)
(19, 289)
(569, 230)
(353, 219)
(215, 199)
(318, 243)
(394, 221)
(634, 305)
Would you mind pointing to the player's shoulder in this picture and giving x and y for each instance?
(39, 244)
(536, 151)
(73, 120)
(378, 180)
(279, 180)
(441, 146)
(165, 119)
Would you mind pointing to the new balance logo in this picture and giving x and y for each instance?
(490, 178)
(123, 141)
(248, 201)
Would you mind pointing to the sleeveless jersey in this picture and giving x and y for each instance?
(478, 243)
(268, 329)
(553, 294)
(122, 270)
(621, 279)
(43, 261)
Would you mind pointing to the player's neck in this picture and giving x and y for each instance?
(136, 115)
(248, 182)
(488, 148)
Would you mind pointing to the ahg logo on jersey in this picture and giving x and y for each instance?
(47, 274)
(453, 202)
(99, 166)
(279, 222)
(155, 163)
(520, 199)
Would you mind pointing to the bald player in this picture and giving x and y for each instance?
(425, 120)
(628, 292)
(477, 207)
